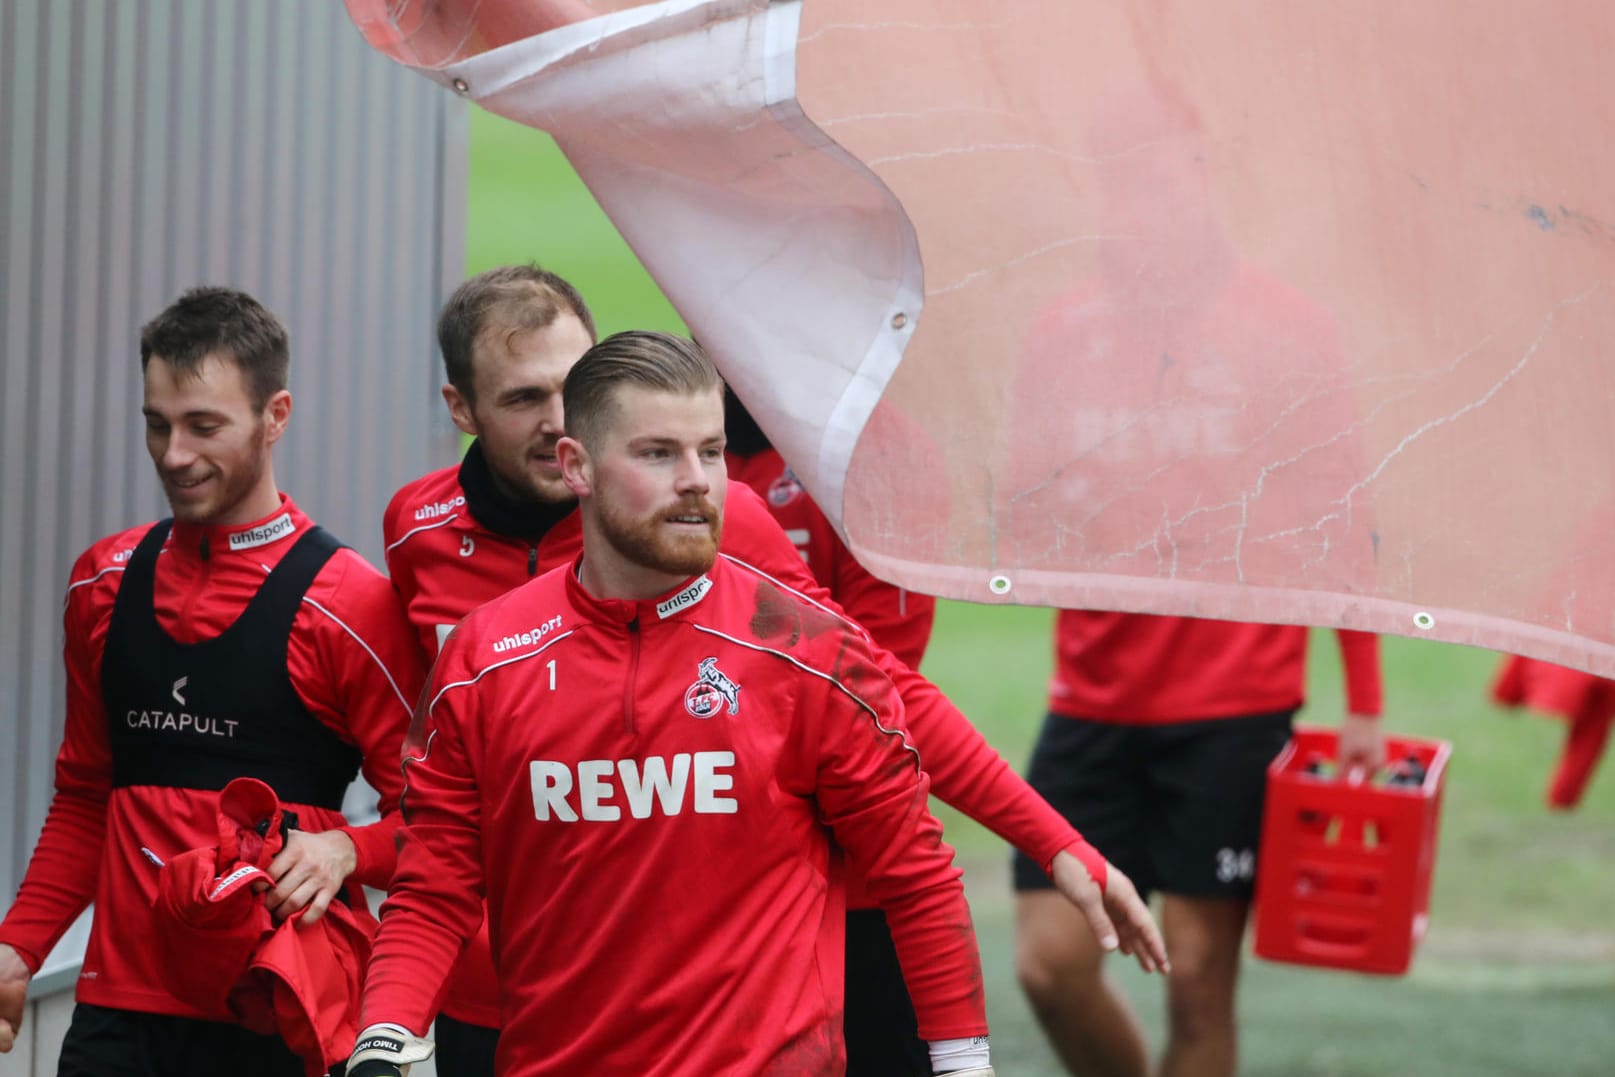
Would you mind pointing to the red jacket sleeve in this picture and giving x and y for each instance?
(366, 673)
(899, 620)
(966, 771)
(1359, 657)
(871, 791)
(435, 906)
(61, 878)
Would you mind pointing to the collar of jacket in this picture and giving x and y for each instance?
(674, 603)
(212, 540)
(491, 509)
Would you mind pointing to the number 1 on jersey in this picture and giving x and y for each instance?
(550, 665)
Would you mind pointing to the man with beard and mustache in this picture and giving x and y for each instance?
(640, 759)
(463, 535)
(235, 639)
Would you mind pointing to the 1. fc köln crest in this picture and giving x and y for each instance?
(711, 691)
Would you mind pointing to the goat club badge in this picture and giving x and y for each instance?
(711, 690)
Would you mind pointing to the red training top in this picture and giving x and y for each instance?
(1142, 669)
(645, 792)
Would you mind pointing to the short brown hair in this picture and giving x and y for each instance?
(516, 299)
(223, 322)
(658, 361)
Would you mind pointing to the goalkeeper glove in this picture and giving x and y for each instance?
(387, 1051)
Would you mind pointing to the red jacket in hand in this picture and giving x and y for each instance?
(217, 939)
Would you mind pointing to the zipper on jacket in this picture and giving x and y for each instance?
(633, 675)
(532, 560)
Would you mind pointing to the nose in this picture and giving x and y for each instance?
(551, 417)
(691, 476)
(173, 451)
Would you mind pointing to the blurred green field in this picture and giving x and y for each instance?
(1517, 975)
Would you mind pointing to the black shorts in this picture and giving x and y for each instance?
(1177, 807)
(463, 1049)
(103, 1042)
(883, 1036)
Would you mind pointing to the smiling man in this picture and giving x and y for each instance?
(647, 793)
(234, 639)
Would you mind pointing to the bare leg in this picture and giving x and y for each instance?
(1090, 1024)
(1203, 936)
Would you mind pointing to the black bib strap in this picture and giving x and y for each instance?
(277, 605)
(140, 572)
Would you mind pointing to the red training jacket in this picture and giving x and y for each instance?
(1143, 669)
(353, 663)
(645, 792)
(444, 564)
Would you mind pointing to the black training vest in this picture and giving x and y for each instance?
(195, 716)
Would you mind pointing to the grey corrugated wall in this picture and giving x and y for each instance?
(149, 146)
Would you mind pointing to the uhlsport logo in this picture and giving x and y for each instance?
(279, 527)
(783, 490)
(711, 691)
(521, 639)
(685, 598)
(432, 510)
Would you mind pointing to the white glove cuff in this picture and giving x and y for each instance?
(961, 1058)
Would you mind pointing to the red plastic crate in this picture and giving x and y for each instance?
(1343, 876)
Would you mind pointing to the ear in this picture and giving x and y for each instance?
(277, 413)
(460, 411)
(577, 470)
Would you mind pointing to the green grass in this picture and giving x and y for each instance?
(527, 205)
(1517, 975)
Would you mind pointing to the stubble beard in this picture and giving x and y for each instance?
(233, 488)
(523, 486)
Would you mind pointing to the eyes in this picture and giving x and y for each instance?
(158, 428)
(709, 454)
(523, 399)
